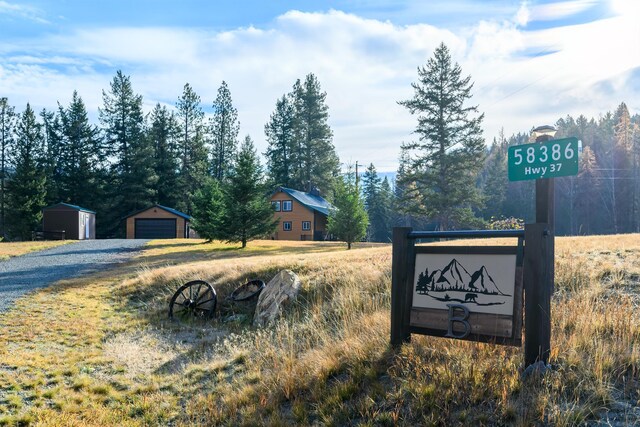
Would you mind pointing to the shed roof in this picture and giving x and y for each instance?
(170, 210)
(310, 201)
(77, 208)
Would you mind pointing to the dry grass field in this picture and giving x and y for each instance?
(100, 350)
(11, 249)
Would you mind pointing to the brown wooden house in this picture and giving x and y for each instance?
(302, 216)
(158, 222)
(65, 221)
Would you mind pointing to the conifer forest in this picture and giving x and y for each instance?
(450, 176)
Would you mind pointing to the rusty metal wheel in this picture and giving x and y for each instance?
(196, 299)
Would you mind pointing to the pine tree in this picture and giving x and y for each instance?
(348, 220)
(370, 186)
(280, 137)
(7, 122)
(52, 131)
(624, 131)
(299, 138)
(224, 128)
(192, 173)
(496, 180)
(384, 213)
(79, 155)
(163, 133)
(26, 189)
(406, 206)
(587, 191)
(377, 202)
(314, 157)
(133, 175)
(208, 211)
(248, 212)
(450, 149)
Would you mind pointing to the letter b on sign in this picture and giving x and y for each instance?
(459, 319)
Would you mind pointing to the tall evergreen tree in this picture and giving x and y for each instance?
(314, 156)
(248, 212)
(377, 202)
(348, 220)
(209, 211)
(79, 155)
(280, 137)
(450, 149)
(133, 174)
(587, 192)
(407, 208)
(192, 173)
(624, 131)
(163, 133)
(224, 128)
(496, 180)
(26, 189)
(7, 122)
(52, 132)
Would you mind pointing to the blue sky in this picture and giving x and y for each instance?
(532, 61)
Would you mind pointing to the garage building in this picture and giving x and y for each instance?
(158, 222)
(65, 221)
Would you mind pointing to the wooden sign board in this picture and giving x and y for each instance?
(471, 293)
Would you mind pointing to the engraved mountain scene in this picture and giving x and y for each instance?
(454, 283)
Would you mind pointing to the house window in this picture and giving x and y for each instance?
(286, 226)
(276, 205)
(306, 225)
(287, 205)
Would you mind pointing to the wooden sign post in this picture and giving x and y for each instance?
(539, 267)
(476, 293)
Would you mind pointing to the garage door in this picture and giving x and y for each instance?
(155, 228)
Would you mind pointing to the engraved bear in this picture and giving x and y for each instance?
(470, 297)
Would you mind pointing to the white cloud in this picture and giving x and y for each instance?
(22, 11)
(559, 10)
(364, 65)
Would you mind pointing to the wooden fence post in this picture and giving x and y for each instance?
(399, 324)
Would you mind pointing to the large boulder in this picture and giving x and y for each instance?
(278, 293)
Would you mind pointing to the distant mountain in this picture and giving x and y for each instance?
(454, 274)
(486, 282)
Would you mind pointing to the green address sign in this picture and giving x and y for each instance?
(549, 159)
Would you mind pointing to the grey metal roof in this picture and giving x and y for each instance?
(78, 208)
(308, 200)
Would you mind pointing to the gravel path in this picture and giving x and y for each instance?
(21, 274)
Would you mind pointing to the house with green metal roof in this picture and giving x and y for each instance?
(301, 216)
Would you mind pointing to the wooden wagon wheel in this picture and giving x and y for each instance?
(247, 291)
(195, 299)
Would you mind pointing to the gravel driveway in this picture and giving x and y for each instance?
(21, 274)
